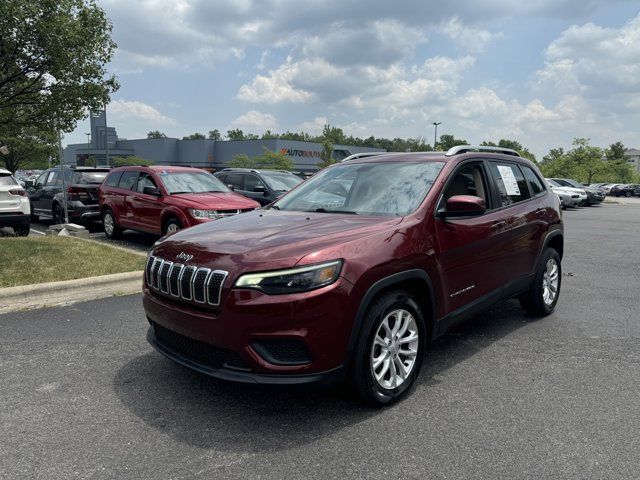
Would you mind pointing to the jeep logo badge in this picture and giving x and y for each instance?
(184, 256)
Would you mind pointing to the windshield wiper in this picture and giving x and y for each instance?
(322, 210)
(275, 207)
(176, 193)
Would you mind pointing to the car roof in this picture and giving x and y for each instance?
(437, 157)
(158, 168)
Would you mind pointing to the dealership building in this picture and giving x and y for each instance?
(210, 154)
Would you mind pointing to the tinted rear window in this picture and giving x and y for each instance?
(7, 179)
(534, 181)
(89, 177)
(510, 182)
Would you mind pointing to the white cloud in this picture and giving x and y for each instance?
(133, 109)
(468, 37)
(254, 121)
(315, 126)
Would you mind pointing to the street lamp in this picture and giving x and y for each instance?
(435, 133)
(88, 134)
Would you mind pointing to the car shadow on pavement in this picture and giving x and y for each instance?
(208, 413)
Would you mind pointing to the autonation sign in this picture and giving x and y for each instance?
(294, 152)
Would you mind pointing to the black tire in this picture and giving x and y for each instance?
(58, 214)
(108, 218)
(362, 376)
(627, 194)
(22, 231)
(34, 218)
(533, 301)
(172, 221)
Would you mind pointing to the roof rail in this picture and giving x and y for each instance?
(470, 148)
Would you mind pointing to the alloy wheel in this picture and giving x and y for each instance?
(172, 228)
(550, 281)
(108, 223)
(395, 349)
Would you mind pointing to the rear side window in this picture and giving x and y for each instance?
(511, 184)
(534, 181)
(7, 179)
(113, 179)
(128, 180)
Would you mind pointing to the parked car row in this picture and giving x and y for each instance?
(619, 189)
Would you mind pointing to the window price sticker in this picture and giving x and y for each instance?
(509, 180)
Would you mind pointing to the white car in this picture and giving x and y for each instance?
(569, 197)
(15, 209)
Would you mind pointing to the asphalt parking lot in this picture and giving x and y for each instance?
(503, 396)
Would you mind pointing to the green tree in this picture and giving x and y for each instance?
(448, 141)
(242, 161)
(132, 160)
(235, 134)
(215, 134)
(334, 134)
(156, 134)
(615, 151)
(326, 155)
(270, 160)
(194, 136)
(513, 145)
(28, 146)
(53, 59)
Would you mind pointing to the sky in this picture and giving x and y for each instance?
(539, 72)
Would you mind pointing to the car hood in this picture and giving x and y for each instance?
(570, 189)
(267, 239)
(216, 200)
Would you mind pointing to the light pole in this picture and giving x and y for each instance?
(106, 136)
(88, 134)
(435, 134)
(64, 187)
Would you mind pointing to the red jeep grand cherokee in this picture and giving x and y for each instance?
(352, 273)
(163, 200)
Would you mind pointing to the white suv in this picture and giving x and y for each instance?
(15, 209)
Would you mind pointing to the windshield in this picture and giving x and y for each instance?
(280, 182)
(573, 183)
(191, 182)
(553, 183)
(387, 189)
(90, 177)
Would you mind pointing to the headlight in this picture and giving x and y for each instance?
(207, 214)
(293, 280)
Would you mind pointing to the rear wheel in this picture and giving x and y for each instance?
(172, 226)
(627, 194)
(543, 295)
(389, 351)
(111, 228)
(22, 231)
(58, 214)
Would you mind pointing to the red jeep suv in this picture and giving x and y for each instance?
(351, 274)
(163, 200)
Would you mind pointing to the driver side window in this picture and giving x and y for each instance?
(145, 180)
(41, 180)
(468, 180)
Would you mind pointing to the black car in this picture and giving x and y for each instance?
(625, 190)
(263, 186)
(81, 184)
(594, 194)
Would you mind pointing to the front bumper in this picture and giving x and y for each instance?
(14, 219)
(248, 323)
(322, 379)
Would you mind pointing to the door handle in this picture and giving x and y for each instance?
(497, 225)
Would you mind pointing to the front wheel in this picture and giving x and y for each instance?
(627, 194)
(172, 226)
(389, 352)
(543, 295)
(58, 214)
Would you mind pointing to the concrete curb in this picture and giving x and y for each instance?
(69, 291)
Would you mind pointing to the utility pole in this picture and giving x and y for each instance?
(435, 134)
(64, 187)
(106, 136)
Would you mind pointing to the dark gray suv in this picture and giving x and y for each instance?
(263, 186)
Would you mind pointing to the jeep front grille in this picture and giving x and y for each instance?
(186, 282)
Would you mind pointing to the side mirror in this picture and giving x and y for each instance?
(463, 206)
(259, 189)
(28, 183)
(231, 187)
(151, 191)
